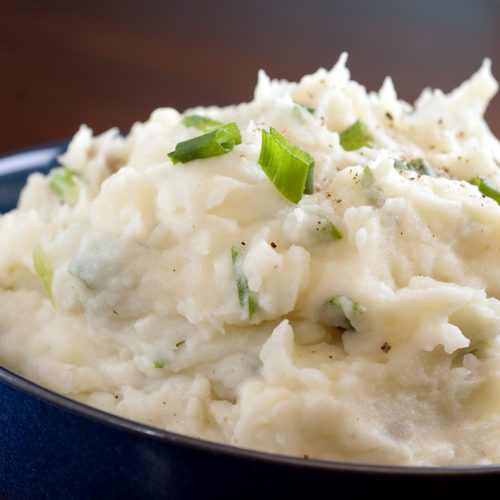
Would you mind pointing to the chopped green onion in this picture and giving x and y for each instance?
(480, 345)
(326, 228)
(246, 297)
(218, 141)
(200, 122)
(355, 137)
(299, 108)
(368, 178)
(180, 344)
(309, 185)
(158, 364)
(341, 312)
(375, 194)
(486, 188)
(64, 182)
(418, 165)
(44, 271)
(297, 112)
(290, 169)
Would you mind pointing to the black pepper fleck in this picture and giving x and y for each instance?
(386, 347)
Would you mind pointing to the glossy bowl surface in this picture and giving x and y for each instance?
(52, 447)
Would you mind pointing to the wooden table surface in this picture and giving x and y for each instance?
(109, 63)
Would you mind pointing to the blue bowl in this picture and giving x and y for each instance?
(52, 447)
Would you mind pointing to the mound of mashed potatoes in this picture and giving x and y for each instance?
(357, 323)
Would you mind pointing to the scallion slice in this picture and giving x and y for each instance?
(375, 194)
(326, 229)
(309, 185)
(298, 109)
(341, 312)
(64, 182)
(218, 141)
(158, 364)
(246, 297)
(368, 178)
(418, 165)
(355, 137)
(200, 122)
(44, 271)
(486, 188)
(290, 169)
(479, 345)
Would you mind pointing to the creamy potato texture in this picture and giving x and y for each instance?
(146, 320)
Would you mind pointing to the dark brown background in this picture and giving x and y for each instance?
(107, 63)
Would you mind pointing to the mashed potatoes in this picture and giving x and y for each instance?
(357, 324)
